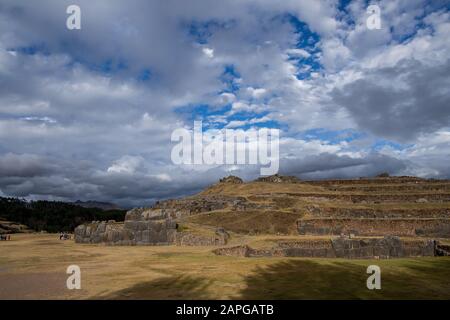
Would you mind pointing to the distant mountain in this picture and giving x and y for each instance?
(97, 204)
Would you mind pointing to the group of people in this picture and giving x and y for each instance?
(64, 236)
(5, 237)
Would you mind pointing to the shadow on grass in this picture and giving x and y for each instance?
(179, 287)
(305, 279)
(312, 279)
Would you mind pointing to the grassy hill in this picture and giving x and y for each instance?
(275, 207)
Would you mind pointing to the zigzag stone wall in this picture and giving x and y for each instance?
(382, 248)
(145, 227)
(141, 227)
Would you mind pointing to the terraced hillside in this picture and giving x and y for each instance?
(283, 216)
(401, 206)
(395, 206)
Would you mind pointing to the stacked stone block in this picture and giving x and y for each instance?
(341, 247)
(141, 227)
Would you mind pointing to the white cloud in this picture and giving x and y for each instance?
(85, 106)
(208, 52)
(256, 93)
(298, 53)
(126, 164)
(226, 98)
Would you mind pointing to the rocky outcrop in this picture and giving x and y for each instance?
(276, 178)
(232, 180)
(378, 248)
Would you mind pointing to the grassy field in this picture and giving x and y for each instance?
(251, 222)
(33, 266)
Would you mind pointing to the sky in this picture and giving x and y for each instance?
(88, 114)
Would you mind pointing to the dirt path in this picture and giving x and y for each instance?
(34, 286)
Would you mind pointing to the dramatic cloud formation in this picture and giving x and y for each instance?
(88, 114)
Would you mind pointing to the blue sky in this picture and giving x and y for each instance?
(88, 114)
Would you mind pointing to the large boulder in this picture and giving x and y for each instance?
(231, 180)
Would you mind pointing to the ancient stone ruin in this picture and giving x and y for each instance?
(341, 247)
(431, 227)
(384, 217)
(144, 227)
(142, 231)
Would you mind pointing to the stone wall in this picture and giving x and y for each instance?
(219, 238)
(375, 227)
(109, 232)
(276, 178)
(145, 227)
(317, 211)
(389, 180)
(381, 248)
(178, 208)
(236, 251)
(385, 248)
(141, 227)
(112, 233)
(374, 198)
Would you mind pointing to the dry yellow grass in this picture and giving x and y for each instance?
(250, 221)
(258, 188)
(33, 266)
